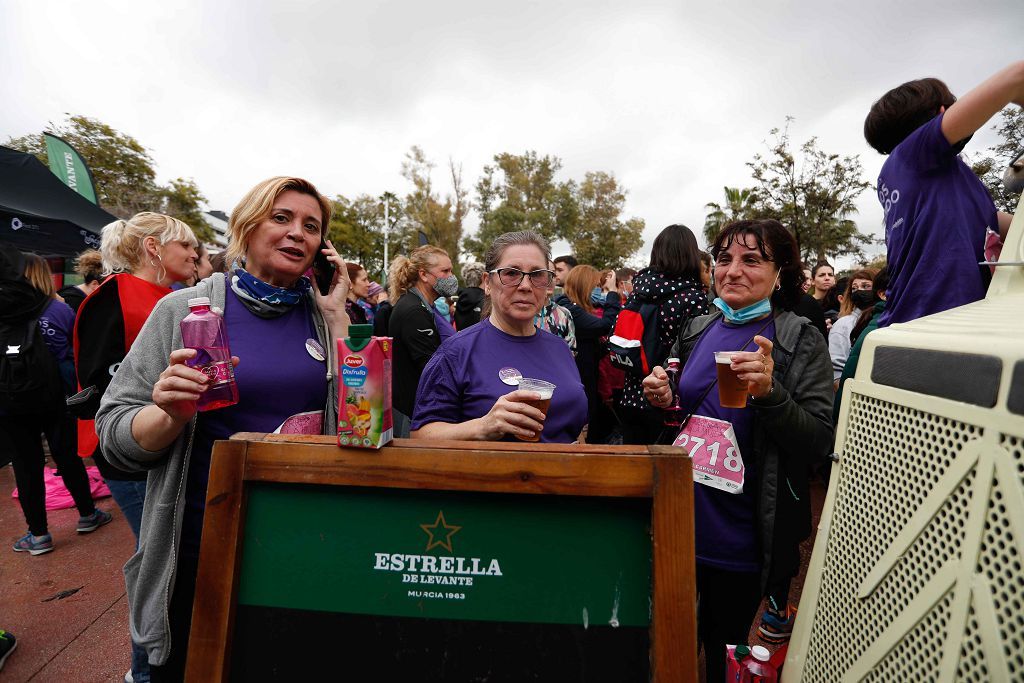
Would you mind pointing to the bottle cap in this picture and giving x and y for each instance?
(199, 301)
(760, 653)
(360, 331)
(741, 652)
(670, 361)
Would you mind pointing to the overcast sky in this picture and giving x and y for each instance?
(673, 98)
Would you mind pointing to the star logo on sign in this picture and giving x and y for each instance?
(440, 532)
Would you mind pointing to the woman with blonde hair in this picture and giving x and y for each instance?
(28, 295)
(282, 332)
(141, 257)
(590, 328)
(417, 327)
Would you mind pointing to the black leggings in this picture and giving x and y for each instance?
(727, 603)
(22, 432)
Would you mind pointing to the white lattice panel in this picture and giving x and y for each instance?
(917, 572)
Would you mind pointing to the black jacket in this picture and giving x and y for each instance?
(679, 300)
(808, 307)
(792, 430)
(72, 296)
(467, 308)
(589, 348)
(416, 339)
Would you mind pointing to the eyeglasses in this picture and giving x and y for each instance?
(513, 277)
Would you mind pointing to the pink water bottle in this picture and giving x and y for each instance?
(758, 668)
(204, 330)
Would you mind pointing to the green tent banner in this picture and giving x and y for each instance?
(69, 166)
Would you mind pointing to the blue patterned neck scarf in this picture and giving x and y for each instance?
(265, 299)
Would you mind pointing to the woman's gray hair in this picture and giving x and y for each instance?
(511, 239)
(473, 274)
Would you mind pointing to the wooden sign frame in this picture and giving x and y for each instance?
(658, 473)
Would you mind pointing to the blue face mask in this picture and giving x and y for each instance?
(745, 314)
(597, 296)
(443, 308)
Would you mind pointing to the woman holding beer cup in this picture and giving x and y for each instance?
(750, 451)
(495, 380)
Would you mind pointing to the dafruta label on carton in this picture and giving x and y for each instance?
(364, 393)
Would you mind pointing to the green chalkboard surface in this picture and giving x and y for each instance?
(450, 563)
(448, 555)
(564, 580)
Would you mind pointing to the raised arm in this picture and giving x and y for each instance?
(965, 116)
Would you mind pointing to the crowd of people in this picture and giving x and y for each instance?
(123, 392)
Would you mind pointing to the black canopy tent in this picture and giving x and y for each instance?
(40, 214)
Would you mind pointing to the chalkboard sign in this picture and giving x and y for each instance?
(444, 562)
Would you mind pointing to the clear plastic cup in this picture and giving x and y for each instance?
(546, 391)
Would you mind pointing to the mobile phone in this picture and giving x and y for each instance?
(323, 270)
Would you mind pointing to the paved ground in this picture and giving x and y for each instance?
(84, 637)
(81, 637)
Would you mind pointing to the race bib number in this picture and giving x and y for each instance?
(717, 461)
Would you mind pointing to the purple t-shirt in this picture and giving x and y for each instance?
(936, 213)
(57, 323)
(444, 327)
(724, 525)
(464, 378)
(276, 378)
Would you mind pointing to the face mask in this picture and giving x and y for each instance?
(745, 314)
(597, 296)
(862, 298)
(748, 313)
(447, 286)
(443, 308)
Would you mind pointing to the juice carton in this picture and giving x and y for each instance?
(364, 389)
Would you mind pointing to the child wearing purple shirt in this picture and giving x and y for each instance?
(936, 209)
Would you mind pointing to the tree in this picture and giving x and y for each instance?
(357, 231)
(124, 173)
(601, 238)
(814, 196)
(440, 220)
(182, 199)
(121, 167)
(739, 204)
(520, 192)
(990, 166)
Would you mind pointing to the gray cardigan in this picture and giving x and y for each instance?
(792, 430)
(150, 573)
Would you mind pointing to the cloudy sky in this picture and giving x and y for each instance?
(671, 97)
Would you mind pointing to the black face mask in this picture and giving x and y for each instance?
(862, 298)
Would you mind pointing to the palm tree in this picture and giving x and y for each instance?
(739, 204)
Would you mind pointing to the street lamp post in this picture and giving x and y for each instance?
(387, 229)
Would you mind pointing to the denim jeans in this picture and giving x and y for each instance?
(130, 497)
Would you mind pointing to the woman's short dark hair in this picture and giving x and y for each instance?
(881, 281)
(904, 109)
(776, 244)
(675, 253)
(818, 266)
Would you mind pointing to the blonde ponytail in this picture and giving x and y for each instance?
(404, 271)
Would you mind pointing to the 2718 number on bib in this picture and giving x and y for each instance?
(712, 446)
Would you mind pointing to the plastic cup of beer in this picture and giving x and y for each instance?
(546, 391)
(732, 391)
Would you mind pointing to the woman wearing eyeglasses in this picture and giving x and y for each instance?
(469, 388)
